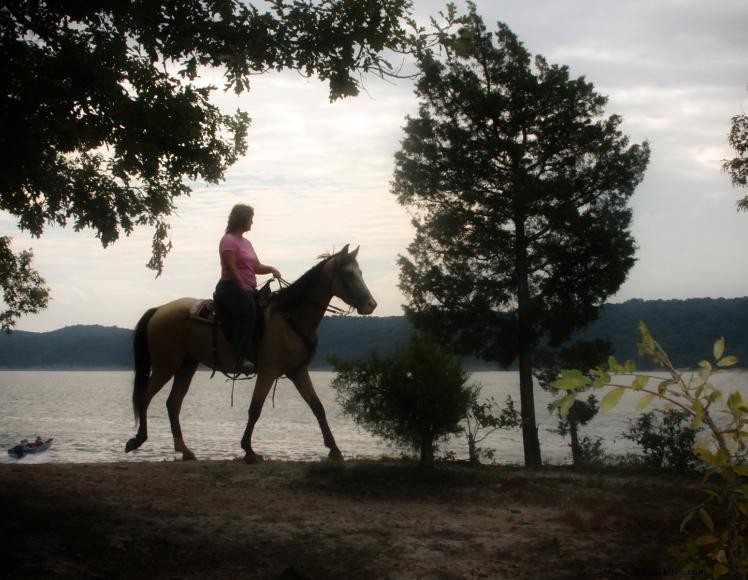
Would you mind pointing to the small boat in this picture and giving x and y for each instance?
(26, 448)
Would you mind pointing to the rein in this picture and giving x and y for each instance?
(310, 342)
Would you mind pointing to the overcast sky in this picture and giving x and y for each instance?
(318, 173)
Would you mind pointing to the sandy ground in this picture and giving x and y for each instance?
(224, 519)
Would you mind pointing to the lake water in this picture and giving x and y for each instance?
(89, 413)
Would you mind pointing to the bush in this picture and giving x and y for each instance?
(412, 397)
(666, 441)
(716, 529)
(482, 419)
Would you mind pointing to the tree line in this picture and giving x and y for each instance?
(683, 327)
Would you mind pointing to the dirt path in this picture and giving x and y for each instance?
(218, 519)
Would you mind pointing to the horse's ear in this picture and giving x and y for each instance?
(354, 253)
(344, 251)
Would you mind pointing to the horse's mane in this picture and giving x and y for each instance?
(290, 297)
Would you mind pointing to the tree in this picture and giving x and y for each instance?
(24, 291)
(104, 119)
(738, 166)
(412, 397)
(483, 419)
(579, 355)
(518, 188)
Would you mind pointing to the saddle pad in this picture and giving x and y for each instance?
(203, 311)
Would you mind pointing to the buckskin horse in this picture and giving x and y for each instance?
(169, 343)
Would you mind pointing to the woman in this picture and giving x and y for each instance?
(235, 290)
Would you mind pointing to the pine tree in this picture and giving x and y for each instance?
(519, 188)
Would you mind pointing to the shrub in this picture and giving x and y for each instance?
(716, 529)
(412, 397)
(665, 438)
(484, 418)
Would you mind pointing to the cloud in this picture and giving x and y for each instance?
(318, 173)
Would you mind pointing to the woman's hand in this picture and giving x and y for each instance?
(275, 272)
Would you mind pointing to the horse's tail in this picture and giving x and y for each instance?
(142, 358)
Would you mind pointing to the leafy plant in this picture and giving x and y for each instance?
(584, 354)
(412, 397)
(483, 419)
(664, 439)
(716, 528)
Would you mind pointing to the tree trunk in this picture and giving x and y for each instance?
(524, 334)
(576, 452)
(427, 453)
(472, 449)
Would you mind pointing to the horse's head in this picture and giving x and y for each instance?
(348, 282)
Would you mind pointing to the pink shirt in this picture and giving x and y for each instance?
(244, 255)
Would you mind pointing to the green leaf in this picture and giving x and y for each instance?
(611, 399)
(566, 404)
(706, 519)
(614, 365)
(663, 386)
(706, 540)
(646, 346)
(644, 402)
(685, 521)
(719, 570)
(727, 361)
(640, 382)
(570, 380)
(719, 348)
(735, 403)
(742, 470)
(705, 455)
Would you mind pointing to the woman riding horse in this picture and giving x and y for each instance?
(235, 290)
(169, 343)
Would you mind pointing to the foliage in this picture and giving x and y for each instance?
(412, 397)
(518, 188)
(738, 166)
(24, 291)
(580, 354)
(717, 528)
(104, 114)
(667, 441)
(483, 419)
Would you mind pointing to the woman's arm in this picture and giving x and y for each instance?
(263, 269)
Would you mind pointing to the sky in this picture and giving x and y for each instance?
(318, 173)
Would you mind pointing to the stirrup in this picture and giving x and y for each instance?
(246, 367)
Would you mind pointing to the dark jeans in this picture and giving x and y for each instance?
(238, 310)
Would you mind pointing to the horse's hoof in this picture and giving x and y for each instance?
(336, 456)
(188, 456)
(253, 458)
(133, 443)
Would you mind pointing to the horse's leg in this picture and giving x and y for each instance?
(303, 383)
(262, 388)
(179, 389)
(159, 377)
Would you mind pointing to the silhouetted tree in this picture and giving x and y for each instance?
(738, 166)
(578, 355)
(518, 188)
(412, 397)
(103, 120)
(24, 290)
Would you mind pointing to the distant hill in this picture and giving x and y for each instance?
(685, 328)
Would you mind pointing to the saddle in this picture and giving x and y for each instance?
(207, 311)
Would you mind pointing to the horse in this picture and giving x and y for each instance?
(168, 343)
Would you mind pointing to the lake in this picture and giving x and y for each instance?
(89, 413)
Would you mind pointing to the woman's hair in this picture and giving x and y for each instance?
(238, 217)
